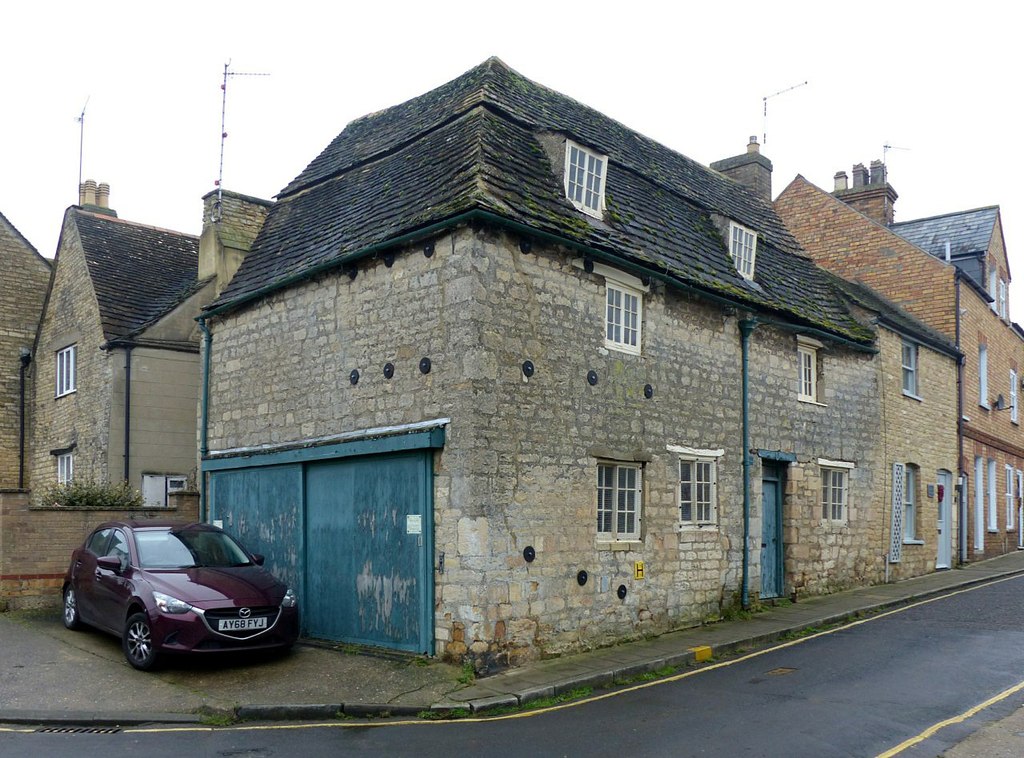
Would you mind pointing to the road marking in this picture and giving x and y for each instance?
(930, 731)
(636, 687)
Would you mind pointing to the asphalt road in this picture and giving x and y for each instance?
(857, 691)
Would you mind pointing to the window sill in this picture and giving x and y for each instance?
(808, 401)
(912, 396)
(688, 527)
(913, 542)
(986, 407)
(618, 347)
(72, 392)
(619, 545)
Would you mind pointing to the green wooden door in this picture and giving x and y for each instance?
(369, 575)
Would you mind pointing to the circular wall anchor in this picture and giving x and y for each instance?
(581, 578)
(648, 391)
(525, 245)
(621, 592)
(527, 369)
(389, 259)
(588, 265)
(354, 376)
(428, 249)
(352, 271)
(529, 553)
(592, 377)
(389, 370)
(424, 365)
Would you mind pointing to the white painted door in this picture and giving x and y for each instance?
(944, 544)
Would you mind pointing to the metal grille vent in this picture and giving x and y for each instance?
(896, 542)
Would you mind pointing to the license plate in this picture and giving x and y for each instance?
(241, 625)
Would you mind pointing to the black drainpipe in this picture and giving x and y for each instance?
(26, 358)
(962, 533)
(127, 409)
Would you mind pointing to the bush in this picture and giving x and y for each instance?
(85, 493)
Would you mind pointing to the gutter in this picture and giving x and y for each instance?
(127, 410)
(26, 359)
(204, 395)
(527, 231)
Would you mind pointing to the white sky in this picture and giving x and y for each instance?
(939, 80)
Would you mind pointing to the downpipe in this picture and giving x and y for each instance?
(204, 395)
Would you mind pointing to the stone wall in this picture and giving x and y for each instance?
(520, 463)
(22, 290)
(36, 542)
(82, 418)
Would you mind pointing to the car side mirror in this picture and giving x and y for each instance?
(258, 558)
(110, 563)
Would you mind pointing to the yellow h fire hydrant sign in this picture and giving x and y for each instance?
(638, 570)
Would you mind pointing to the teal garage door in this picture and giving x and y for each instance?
(367, 564)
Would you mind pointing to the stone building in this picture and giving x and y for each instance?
(22, 289)
(116, 365)
(502, 378)
(950, 272)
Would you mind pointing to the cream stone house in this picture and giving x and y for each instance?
(22, 289)
(952, 273)
(116, 369)
(502, 378)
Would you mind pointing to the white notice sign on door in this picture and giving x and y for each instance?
(413, 524)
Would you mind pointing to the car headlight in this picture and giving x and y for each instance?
(168, 604)
(289, 601)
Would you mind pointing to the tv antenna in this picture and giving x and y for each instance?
(885, 151)
(223, 130)
(81, 140)
(765, 99)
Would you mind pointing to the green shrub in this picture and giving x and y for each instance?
(85, 493)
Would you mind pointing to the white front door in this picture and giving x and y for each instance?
(944, 544)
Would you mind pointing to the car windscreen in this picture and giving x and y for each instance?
(188, 548)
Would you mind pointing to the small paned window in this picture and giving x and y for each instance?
(983, 376)
(623, 317)
(910, 368)
(697, 492)
(993, 515)
(1009, 498)
(910, 504)
(618, 502)
(584, 179)
(1004, 308)
(1014, 415)
(65, 468)
(993, 285)
(66, 371)
(979, 503)
(834, 490)
(808, 386)
(743, 248)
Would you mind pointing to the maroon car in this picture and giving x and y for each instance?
(176, 588)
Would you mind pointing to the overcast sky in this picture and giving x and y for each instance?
(938, 81)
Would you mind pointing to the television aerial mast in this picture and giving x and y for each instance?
(766, 98)
(223, 131)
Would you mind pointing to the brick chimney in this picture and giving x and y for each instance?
(95, 198)
(871, 193)
(231, 222)
(751, 168)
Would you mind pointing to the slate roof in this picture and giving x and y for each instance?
(968, 232)
(894, 316)
(138, 272)
(471, 147)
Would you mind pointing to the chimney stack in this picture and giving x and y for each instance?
(87, 193)
(103, 195)
(231, 222)
(751, 168)
(871, 193)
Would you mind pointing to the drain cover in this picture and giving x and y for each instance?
(781, 671)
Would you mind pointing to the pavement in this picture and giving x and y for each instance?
(52, 676)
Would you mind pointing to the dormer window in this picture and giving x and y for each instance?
(584, 178)
(743, 248)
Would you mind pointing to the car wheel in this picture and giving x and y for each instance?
(71, 618)
(137, 642)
